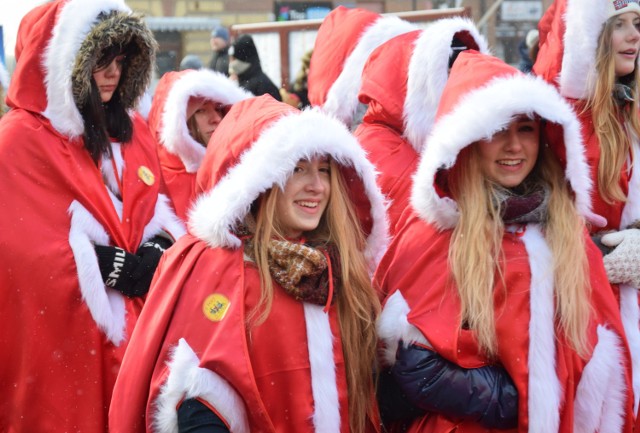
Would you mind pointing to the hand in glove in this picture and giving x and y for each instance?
(117, 267)
(623, 263)
(149, 253)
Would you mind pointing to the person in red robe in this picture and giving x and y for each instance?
(401, 86)
(186, 109)
(83, 221)
(262, 318)
(589, 50)
(494, 268)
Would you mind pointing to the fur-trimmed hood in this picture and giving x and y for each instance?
(405, 76)
(481, 97)
(345, 40)
(58, 45)
(259, 143)
(168, 115)
(569, 33)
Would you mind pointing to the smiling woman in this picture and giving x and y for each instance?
(267, 312)
(494, 271)
(590, 49)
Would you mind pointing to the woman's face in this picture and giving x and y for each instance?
(207, 115)
(107, 77)
(625, 42)
(510, 155)
(305, 197)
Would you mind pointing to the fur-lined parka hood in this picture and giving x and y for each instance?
(569, 32)
(482, 96)
(345, 40)
(58, 46)
(168, 115)
(405, 76)
(259, 143)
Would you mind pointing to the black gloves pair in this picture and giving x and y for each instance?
(129, 273)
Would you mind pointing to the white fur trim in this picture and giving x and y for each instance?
(76, 18)
(164, 219)
(270, 161)
(326, 416)
(601, 394)
(630, 313)
(473, 119)
(584, 21)
(428, 74)
(545, 391)
(393, 327)
(107, 306)
(188, 380)
(342, 97)
(175, 135)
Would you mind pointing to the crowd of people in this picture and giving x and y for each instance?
(440, 243)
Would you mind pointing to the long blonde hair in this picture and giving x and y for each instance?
(358, 305)
(613, 125)
(475, 253)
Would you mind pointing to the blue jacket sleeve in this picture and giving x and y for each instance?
(486, 395)
(195, 417)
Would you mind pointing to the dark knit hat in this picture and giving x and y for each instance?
(245, 50)
(220, 32)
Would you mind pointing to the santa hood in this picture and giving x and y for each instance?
(345, 40)
(58, 45)
(569, 33)
(482, 96)
(406, 75)
(168, 115)
(260, 141)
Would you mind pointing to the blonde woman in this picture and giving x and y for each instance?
(264, 318)
(494, 268)
(590, 49)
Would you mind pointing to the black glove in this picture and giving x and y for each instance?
(117, 267)
(149, 253)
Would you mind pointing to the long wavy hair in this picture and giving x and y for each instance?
(613, 124)
(476, 257)
(357, 303)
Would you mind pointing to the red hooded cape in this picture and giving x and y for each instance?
(286, 375)
(558, 391)
(67, 332)
(180, 154)
(344, 41)
(402, 82)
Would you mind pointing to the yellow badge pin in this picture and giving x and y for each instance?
(215, 307)
(146, 175)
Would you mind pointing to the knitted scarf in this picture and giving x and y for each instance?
(308, 273)
(528, 203)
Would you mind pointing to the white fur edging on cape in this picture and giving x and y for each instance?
(481, 121)
(428, 73)
(175, 135)
(187, 380)
(342, 97)
(77, 18)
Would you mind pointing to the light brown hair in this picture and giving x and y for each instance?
(475, 250)
(612, 124)
(358, 305)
